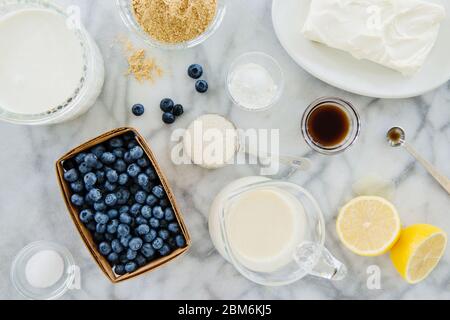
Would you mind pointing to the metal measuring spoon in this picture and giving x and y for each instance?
(397, 138)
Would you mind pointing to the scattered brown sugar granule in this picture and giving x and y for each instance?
(174, 21)
(140, 66)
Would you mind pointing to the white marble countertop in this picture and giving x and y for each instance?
(32, 208)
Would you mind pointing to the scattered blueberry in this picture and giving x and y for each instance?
(201, 86)
(168, 118)
(178, 110)
(195, 71)
(138, 110)
(77, 200)
(166, 105)
(71, 175)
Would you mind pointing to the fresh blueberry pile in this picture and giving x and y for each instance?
(123, 204)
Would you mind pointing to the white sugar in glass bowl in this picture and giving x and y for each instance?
(53, 74)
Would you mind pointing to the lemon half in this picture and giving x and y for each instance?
(418, 251)
(368, 226)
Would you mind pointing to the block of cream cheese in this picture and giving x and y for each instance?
(398, 34)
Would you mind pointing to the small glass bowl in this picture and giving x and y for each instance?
(128, 17)
(266, 61)
(352, 136)
(20, 282)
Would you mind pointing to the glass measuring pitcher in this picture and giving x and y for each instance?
(288, 243)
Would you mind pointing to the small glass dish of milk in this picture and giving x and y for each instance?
(51, 70)
(43, 270)
(273, 232)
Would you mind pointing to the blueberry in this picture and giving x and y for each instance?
(140, 260)
(157, 243)
(119, 269)
(100, 228)
(77, 200)
(123, 258)
(100, 176)
(71, 175)
(147, 250)
(135, 209)
(151, 173)
(132, 144)
(127, 157)
(166, 105)
(151, 200)
(122, 196)
(136, 152)
(110, 186)
(135, 243)
(143, 229)
(178, 110)
(141, 220)
(165, 250)
(98, 150)
(112, 176)
(77, 186)
(143, 180)
(131, 254)
(201, 86)
(115, 143)
(100, 206)
(91, 226)
(140, 197)
(149, 237)
(180, 241)
(119, 152)
(163, 234)
(79, 158)
(195, 71)
(104, 248)
(112, 225)
(120, 166)
(100, 217)
(108, 158)
(86, 216)
(113, 257)
(84, 168)
(99, 165)
(123, 230)
(164, 202)
(123, 179)
(125, 218)
(146, 211)
(130, 267)
(168, 214)
(113, 214)
(91, 160)
(143, 162)
(159, 192)
(111, 200)
(158, 212)
(168, 118)
(174, 227)
(90, 179)
(138, 110)
(116, 246)
(124, 209)
(95, 195)
(125, 240)
(154, 223)
(133, 170)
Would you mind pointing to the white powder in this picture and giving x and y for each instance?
(252, 86)
(44, 269)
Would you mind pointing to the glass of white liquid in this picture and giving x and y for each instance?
(51, 70)
(273, 232)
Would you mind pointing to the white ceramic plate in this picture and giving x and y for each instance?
(362, 77)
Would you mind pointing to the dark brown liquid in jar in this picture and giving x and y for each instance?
(328, 125)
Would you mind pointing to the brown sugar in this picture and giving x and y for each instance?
(174, 21)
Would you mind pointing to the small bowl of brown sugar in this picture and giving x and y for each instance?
(172, 24)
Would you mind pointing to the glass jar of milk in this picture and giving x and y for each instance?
(51, 70)
(273, 232)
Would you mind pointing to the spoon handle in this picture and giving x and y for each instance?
(443, 180)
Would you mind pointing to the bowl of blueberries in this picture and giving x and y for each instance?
(122, 205)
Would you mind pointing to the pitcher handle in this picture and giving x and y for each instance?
(318, 261)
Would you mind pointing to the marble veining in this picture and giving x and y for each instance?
(32, 208)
